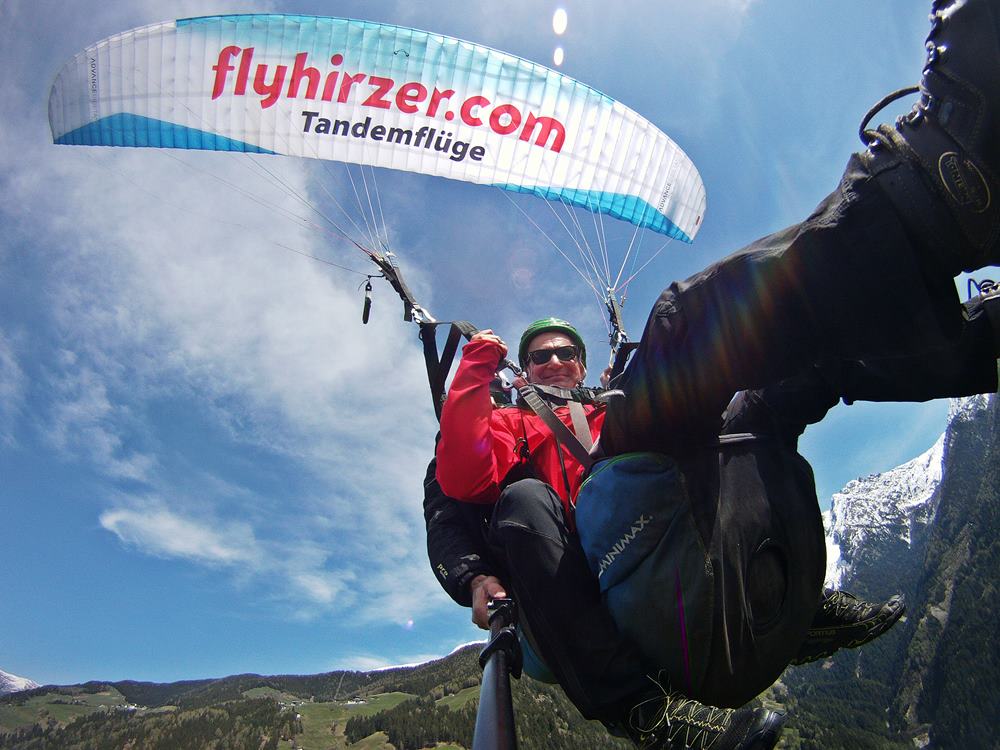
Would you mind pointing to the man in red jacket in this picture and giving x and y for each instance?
(480, 446)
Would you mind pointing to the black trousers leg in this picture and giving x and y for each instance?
(809, 295)
(560, 603)
(961, 366)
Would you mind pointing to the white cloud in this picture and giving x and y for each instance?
(362, 663)
(316, 587)
(85, 422)
(367, 663)
(167, 295)
(289, 571)
(158, 531)
(13, 388)
(171, 286)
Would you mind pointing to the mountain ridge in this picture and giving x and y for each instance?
(11, 683)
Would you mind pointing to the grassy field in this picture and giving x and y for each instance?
(460, 698)
(323, 723)
(62, 708)
(377, 741)
(267, 692)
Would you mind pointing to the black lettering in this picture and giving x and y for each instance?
(458, 150)
(360, 129)
(439, 146)
(398, 135)
(309, 118)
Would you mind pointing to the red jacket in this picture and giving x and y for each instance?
(480, 444)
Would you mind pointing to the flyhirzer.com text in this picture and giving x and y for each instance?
(271, 82)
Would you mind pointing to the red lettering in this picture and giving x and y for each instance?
(345, 86)
(270, 91)
(329, 85)
(436, 98)
(222, 68)
(244, 75)
(408, 96)
(269, 81)
(546, 126)
(300, 71)
(508, 110)
(331, 79)
(466, 112)
(377, 98)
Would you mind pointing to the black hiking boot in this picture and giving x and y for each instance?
(671, 721)
(844, 621)
(946, 151)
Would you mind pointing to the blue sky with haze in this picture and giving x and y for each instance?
(208, 465)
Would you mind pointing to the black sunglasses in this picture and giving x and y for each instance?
(564, 353)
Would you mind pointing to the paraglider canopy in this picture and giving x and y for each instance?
(378, 95)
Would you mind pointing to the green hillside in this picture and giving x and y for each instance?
(433, 705)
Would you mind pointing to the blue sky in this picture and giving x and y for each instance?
(208, 465)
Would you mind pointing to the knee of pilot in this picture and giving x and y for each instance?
(527, 502)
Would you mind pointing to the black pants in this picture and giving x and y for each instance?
(840, 306)
(569, 625)
(560, 605)
(850, 291)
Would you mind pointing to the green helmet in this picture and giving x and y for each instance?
(544, 326)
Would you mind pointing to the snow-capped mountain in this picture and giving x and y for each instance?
(11, 683)
(894, 506)
(879, 507)
(928, 530)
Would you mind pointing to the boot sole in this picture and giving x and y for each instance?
(766, 736)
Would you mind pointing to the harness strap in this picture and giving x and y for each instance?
(580, 425)
(439, 367)
(621, 358)
(564, 436)
(581, 394)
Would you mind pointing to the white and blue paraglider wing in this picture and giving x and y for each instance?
(381, 96)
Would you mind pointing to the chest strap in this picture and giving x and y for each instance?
(574, 443)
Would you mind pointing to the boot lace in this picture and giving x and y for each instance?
(873, 139)
(841, 605)
(676, 718)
